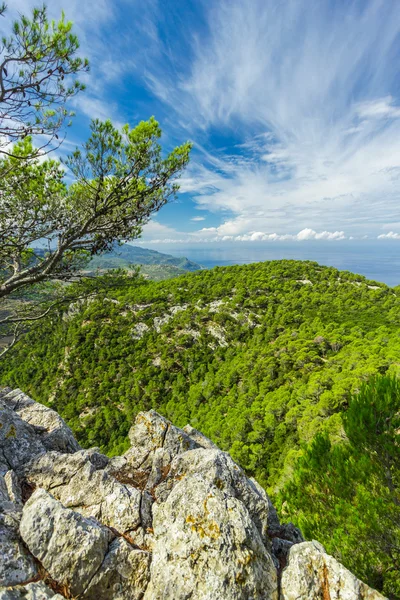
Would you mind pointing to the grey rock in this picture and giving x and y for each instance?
(4, 497)
(151, 432)
(207, 547)
(80, 481)
(13, 487)
(31, 591)
(29, 429)
(311, 575)
(56, 434)
(218, 468)
(174, 518)
(70, 547)
(16, 564)
(124, 574)
(198, 437)
(19, 441)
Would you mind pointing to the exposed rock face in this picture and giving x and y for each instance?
(313, 574)
(174, 518)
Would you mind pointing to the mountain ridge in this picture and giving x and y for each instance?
(127, 254)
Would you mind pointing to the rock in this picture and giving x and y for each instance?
(152, 432)
(207, 547)
(13, 487)
(56, 435)
(31, 591)
(28, 429)
(173, 518)
(123, 574)
(311, 575)
(198, 437)
(16, 564)
(4, 497)
(81, 481)
(19, 441)
(219, 469)
(70, 547)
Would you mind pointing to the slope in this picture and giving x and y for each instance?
(260, 357)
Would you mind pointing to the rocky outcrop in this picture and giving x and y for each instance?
(174, 518)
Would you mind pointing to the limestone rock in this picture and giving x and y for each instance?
(123, 574)
(151, 432)
(198, 437)
(218, 468)
(81, 481)
(29, 429)
(311, 575)
(173, 518)
(207, 547)
(70, 547)
(16, 564)
(13, 487)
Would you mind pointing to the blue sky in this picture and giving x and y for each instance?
(293, 107)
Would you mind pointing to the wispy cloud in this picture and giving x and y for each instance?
(303, 89)
(198, 219)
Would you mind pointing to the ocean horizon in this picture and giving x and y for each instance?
(377, 260)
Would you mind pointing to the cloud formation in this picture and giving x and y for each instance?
(303, 89)
(216, 234)
(389, 236)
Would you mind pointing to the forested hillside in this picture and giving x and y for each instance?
(261, 358)
(127, 255)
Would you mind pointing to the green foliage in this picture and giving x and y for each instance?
(38, 65)
(347, 494)
(259, 372)
(120, 180)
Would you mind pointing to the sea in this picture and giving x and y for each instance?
(378, 260)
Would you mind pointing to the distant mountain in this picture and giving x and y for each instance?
(126, 255)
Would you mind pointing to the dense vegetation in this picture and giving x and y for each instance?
(347, 495)
(262, 358)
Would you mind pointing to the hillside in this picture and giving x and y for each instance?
(249, 354)
(127, 255)
(259, 357)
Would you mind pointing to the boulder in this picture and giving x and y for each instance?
(17, 565)
(207, 547)
(70, 547)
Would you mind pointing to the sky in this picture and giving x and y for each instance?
(293, 108)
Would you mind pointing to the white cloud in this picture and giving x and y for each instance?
(217, 234)
(305, 87)
(198, 219)
(377, 109)
(389, 236)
